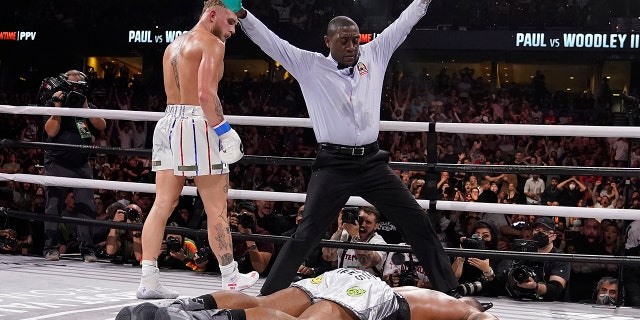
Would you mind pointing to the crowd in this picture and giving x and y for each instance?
(450, 96)
(312, 14)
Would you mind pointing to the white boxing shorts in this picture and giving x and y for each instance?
(184, 141)
(357, 290)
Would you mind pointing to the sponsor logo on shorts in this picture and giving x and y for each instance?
(355, 291)
(317, 280)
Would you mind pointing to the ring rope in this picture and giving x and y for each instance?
(414, 166)
(598, 213)
(406, 126)
(454, 252)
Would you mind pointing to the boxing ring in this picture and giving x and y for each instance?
(71, 289)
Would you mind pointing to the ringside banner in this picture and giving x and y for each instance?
(524, 41)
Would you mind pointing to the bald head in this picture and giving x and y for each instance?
(339, 22)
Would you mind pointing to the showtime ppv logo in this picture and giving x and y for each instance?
(17, 35)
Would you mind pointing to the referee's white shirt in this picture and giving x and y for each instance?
(344, 105)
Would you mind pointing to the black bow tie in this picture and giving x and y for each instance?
(341, 66)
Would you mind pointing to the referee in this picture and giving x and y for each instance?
(343, 92)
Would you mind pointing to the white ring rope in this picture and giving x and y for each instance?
(599, 213)
(469, 128)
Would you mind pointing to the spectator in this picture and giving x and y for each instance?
(314, 264)
(607, 291)
(180, 252)
(12, 165)
(491, 273)
(357, 225)
(268, 219)
(533, 189)
(125, 244)
(586, 275)
(555, 274)
(572, 192)
(251, 255)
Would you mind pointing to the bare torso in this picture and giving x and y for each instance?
(181, 64)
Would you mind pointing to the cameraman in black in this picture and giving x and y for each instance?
(481, 276)
(550, 282)
(251, 255)
(126, 244)
(70, 164)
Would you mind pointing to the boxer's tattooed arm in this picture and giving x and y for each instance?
(218, 107)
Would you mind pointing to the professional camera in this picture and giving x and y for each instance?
(202, 255)
(408, 277)
(470, 288)
(245, 220)
(7, 242)
(131, 214)
(173, 244)
(74, 92)
(351, 215)
(475, 242)
(521, 270)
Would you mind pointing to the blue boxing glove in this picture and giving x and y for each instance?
(233, 5)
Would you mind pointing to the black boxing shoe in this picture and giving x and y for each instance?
(144, 311)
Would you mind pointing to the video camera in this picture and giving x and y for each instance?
(73, 92)
(521, 270)
(351, 215)
(408, 277)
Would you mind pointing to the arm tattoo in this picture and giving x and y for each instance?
(218, 107)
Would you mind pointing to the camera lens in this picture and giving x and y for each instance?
(520, 275)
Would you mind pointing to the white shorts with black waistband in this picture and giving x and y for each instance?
(357, 290)
(184, 141)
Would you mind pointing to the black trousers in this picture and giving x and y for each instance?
(85, 205)
(334, 178)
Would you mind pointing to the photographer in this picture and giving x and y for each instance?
(69, 92)
(357, 225)
(402, 269)
(125, 243)
(251, 255)
(479, 276)
(180, 252)
(8, 242)
(546, 281)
